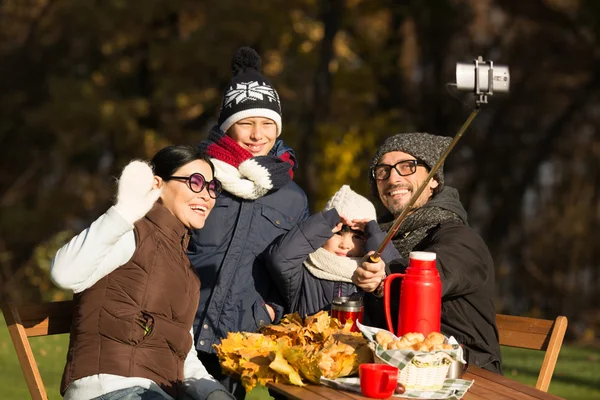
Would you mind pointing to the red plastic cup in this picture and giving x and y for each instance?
(378, 380)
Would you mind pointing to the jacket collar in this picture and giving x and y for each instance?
(167, 223)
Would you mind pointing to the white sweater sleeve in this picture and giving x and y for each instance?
(199, 383)
(97, 251)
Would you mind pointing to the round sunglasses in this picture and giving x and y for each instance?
(197, 182)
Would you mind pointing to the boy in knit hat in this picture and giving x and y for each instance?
(259, 203)
(314, 262)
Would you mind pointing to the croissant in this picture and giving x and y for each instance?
(413, 337)
(413, 341)
(436, 338)
(384, 338)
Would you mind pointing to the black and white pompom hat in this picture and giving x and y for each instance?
(249, 94)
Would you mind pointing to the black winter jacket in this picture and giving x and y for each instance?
(225, 254)
(466, 270)
(303, 292)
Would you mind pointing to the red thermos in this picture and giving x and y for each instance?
(420, 296)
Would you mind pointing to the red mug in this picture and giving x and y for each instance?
(378, 380)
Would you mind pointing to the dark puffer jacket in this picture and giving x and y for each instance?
(303, 292)
(235, 283)
(468, 283)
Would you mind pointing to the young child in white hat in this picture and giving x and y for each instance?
(314, 262)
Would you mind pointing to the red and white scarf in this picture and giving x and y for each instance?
(242, 174)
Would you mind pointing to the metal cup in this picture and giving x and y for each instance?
(456, 370)
(345, 308)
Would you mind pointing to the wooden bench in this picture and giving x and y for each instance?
(538, 334)
(33, 320)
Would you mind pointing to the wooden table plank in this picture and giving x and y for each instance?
(358, 396)
(487, 385)
(294, 392)
(491, 380)
(330, 393)
(473, 396)
(309, 392)
(492, 392)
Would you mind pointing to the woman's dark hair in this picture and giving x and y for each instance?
(171, 158)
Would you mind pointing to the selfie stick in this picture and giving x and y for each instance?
(483, 79)
(408, 208)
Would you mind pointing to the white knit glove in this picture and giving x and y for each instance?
(135, 196)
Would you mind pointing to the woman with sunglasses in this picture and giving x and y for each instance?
(136, 294)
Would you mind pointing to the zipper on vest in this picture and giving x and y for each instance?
(148, 324)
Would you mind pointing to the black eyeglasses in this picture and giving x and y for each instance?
(403, 168)
(197, 182)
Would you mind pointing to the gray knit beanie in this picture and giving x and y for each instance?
(423, 146)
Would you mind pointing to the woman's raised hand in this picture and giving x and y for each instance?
(136, 196)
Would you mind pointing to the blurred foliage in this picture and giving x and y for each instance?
(87, 86)
(37, 271)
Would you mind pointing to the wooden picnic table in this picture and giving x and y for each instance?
(487, 385)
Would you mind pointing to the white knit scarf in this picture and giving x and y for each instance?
(331, 267)
(250, 181)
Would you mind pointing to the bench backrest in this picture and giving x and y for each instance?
(32, 320)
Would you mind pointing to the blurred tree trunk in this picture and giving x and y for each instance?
(318, 111)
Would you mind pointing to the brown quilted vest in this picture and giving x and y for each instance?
(136, 321)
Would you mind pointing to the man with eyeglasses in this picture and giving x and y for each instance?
(436, 223)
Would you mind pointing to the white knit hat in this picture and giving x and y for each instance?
(351, 204)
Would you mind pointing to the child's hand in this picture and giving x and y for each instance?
(337, 228)
(344, 221)
(271, 312)
(359, 224)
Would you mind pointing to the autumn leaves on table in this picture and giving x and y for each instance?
(294, 351)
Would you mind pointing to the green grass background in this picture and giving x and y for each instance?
(576, 377)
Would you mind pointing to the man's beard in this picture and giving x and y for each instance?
(396, 210)
(396, 207)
